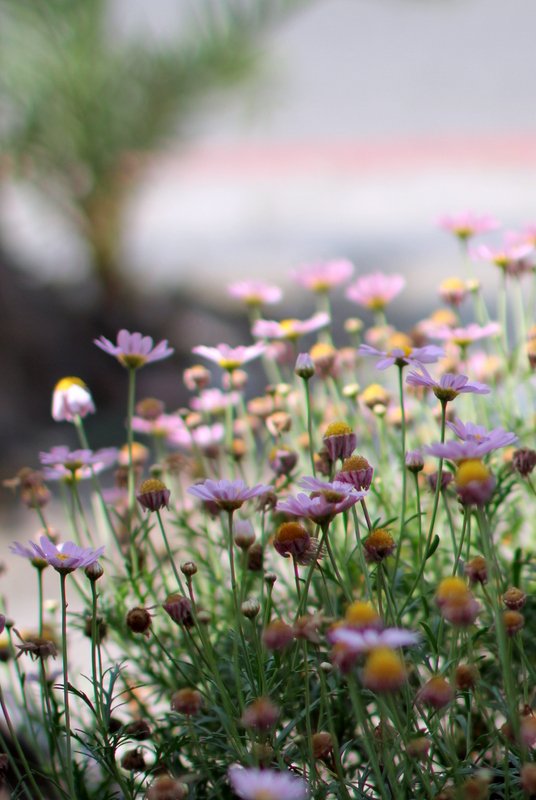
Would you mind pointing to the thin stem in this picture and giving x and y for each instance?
(130, 441)
(69, 758)
(307, 392)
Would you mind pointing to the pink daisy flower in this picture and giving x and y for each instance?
(230, 358)
(469, 432)
(465, 336)
(467, 224)
(74, 459)
(205, 437)
(65, 557)
(362, 641)
(289, 328)
(266, 784)
(375, 290)
(449, 385)
(403, 356)
(214, 401)
(70, 399)
(227, 495)
(326, 500)
(163, 425)
(134, 350)
(472, 448)
(323, 276)
(511, 259)
(255, 293)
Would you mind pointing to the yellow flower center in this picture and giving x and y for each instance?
(383, 669)
(288, 326)
(290, 531)
(354, 463)
(361, 614)
(452, 590)
(320, 286)
(264, 794)
(471, 470)
(229, 364)
(337, 429)
(452, 285)
(66, 383)
(62, 557)
(375, 395)
(401, 341)
(321, 351)
(152, 485)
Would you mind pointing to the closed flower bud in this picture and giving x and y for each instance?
(514, 598)
(414, 461)
(244, 535)
(323, 355)
(187, 702)
(528, 730)
(279, 422)
(475, 788)
(282, 460)
(384, 670)
(378, 545)
(255, 557)
(270, 578)
(305, 367)
(94, 571)
(260, 715)
(179, 608)
(446, 478)
(524, 461)
(513, 621)
(133, 761)
(189, 568)
(277, 635)
(101, 628)
(150, 408)
(153, 495)
(139, 620)
(250, 608)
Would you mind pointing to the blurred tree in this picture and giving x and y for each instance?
(79, 107)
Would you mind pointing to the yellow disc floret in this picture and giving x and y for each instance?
(471, 470)
(384, 670)
(361, 614)
(66, 383)
(452, 590)
(337, 429)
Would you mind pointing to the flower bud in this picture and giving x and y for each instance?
(277, 635)
(514, 598)
(187, 702)
(244, 535)
(260, 715)
(250, 608)
(179, 608)
(139, 620)
(94, 571)
(414, 461)
(133, 761)
(378, 545)
(138, 729)
(436, 693)
(513, 621)
(466, 676)
(167, 788)
(153, 495)
(339, 440)
(322, 745)
(305, 367)
(189, 568)
(524, 461)
(476, 570)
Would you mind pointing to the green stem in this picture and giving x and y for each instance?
(307, 391)
(69, 758)
(131, 400)
(402, 465)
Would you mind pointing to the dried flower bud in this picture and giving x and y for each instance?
(138, 729)
(167, 788)
(150, 408)
(250, 608)
(292, 539)
(139, 620)
(179, 608)
(513, 621)
(277, 635)
(524, 461)
(356, 471)
(339, 440)
(514, 598)
(378, 545)
(436, 692)
(261, 715)
(466, 676)
(528, 778)
(418, 748)
(187, 701)
(133, 761)
(476, 570)
(282, 460)
(101, 627)
(189, 568)
(153, 495)
(322, 745)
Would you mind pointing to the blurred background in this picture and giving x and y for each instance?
(153, 152)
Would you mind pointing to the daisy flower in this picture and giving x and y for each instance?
(255, 293)
(323, 276)
(469, 432)
(465, 336)
(134, 350)
(326, 500)
(229, 358)
(375, 290)
(266, 784)
(70, 399)
(449, 385)
(467, 224)
(362, 641)
(227, 495)
(401, 356)
(511, 259)
(289, 328)
(65, 557)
